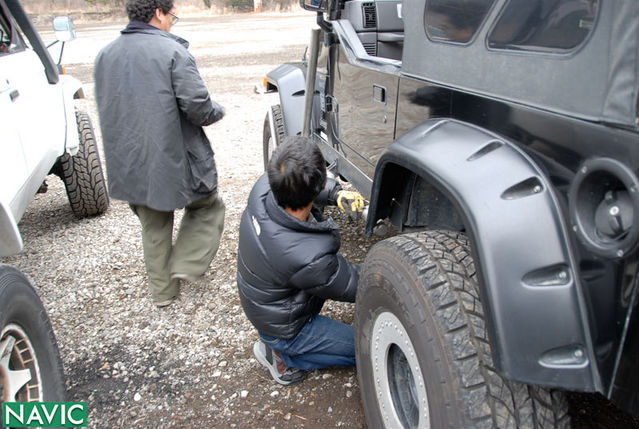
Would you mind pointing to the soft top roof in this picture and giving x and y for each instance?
(598, 82)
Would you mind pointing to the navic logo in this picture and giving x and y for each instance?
(44, 414)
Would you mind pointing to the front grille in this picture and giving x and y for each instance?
(371, 48)
(370, 15)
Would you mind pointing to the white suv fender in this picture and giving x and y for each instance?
(10, 238)
(71, 90)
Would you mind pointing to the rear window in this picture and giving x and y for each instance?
(558, 26)
(454, 20)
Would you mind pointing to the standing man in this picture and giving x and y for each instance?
(288, 264)
(153, 105)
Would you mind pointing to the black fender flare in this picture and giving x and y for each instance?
(529, 283)
(290, 81)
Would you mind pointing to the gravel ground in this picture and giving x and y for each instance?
(188, 365)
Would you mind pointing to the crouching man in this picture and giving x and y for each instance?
(288, 264)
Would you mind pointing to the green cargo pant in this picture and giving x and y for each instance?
(197, 242)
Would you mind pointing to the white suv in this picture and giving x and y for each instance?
(41, 133)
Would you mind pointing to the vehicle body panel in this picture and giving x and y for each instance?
(601, 90)
(10, 238)
(71, 90)
(290, 81)
(366, 96)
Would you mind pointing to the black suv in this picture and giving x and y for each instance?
(501, 136)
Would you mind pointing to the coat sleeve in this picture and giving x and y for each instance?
(191, 93)
(329, 277)
(328, 195)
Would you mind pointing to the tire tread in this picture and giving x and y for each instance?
(82, 173)
(280, 130)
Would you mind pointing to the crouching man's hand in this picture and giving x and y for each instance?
(352, 203)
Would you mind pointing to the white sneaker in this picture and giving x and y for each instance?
(273, 362)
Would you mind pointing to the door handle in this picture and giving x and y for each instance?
(14, 94)
(379, 94)
(390, 37)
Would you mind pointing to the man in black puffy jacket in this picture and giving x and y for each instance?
(288, 264)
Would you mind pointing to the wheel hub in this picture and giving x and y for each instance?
(399, 384)
(19, 370)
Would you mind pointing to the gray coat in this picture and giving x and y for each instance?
(287, 268)
(153, 105)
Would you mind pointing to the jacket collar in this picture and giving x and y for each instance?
(279, 215)
(143, 27)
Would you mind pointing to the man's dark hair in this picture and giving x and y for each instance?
(296, 172)
(143, 10)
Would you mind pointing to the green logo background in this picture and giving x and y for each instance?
(44, 414)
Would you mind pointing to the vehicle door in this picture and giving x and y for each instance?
(38, 108)
(366, 80)
(13, 173)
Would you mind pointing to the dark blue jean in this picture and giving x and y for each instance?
(321, 343)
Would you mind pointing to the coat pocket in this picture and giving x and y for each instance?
(201, 164)
(203, 175)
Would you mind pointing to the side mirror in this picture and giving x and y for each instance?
(63, 28)
(315, 5)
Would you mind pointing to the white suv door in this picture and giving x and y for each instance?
(39, 108)
(13, 174)
(33, 120)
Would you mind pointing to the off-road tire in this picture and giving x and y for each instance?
(423, 354)
(28, 339)
(82, 173)
(270, 143)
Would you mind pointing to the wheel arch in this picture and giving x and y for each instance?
(290, 82)
(535, 311)
(10, 237)
(72, 90)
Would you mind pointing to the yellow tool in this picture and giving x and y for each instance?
(351, 202)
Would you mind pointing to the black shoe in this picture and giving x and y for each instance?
(273, 362)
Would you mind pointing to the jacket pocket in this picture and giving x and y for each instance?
(200, 159)
(203, 175)
(201, 162)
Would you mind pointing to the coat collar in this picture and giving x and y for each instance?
(279, 215)
(143, 27)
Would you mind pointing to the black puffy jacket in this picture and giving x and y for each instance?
(287, 268)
